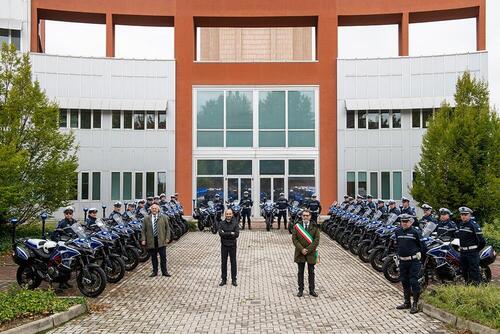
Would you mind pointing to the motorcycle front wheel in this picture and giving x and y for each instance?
(391, 270)
(27, 278)
(117, 270)
(93, 284)
(143, 254)
(132, 259)
(376, 259)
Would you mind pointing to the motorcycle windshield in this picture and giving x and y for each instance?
(428, 229)
(101, 225)
(118, 218)
(377, 215)
(295, 204)
(143, 212)
(392, 218)
(79, 231)
(367, 213)
(210, 204)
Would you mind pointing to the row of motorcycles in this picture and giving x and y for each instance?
(369, 234)
(97, 254)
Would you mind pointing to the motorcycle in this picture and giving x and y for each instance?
(268, 212)
(295, 215)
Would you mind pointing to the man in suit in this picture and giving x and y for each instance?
(305, 237)
(156, 236)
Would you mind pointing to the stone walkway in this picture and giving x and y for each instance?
(352, 297)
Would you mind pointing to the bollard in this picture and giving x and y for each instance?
(85, 210)
(43, 217)
(103, 211)
(14, 222)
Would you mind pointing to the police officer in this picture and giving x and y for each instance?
(305, 202)
(117, 208)
(471, 242)
(446, 228)
(369, 202)
(149, 202)
(381, 207)
(68, 219)
(130, 213)
(173, 199)
(426, 218)
(409, 250)
(92, 217)
(219, 207)
(156, 200)
(163, 199)
(315, 208)
(406, 208)
(246, 209)
(140, 206)
(392, 208)
(282, 206)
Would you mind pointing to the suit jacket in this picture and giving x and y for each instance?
(163, 231)
(301, 243)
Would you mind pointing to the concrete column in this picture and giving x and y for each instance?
(110, 36)
(404, 26)
(481, 28)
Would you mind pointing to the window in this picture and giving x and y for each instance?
(162, 120)
(361, 119)
(115, 186)
(350, 119)
(138, 120)
(396, 118)
(300, 187)
(96, 119)
(426, 117)
(210, 118)
(351, 183)
(73, 193)
(162, 182)
(301, 167)
(384, 119)
(150, 119)
(397, 185)
(374, 184)
(138, 185)
(63, 118)
(85, 119)
(239, 167)
(210, 167)
(150, 184)
(74, 118)
(415, 118)
(116, 120)
(11, 36)
(373, 119)
(85, 186)
(272, 118)
(386, 185)
(272, 167)
(362, 183)
(96, 186)
(4, 36)
(239, 119)
(127, 186)
(301, 119)
(127, 119)
(209, 181)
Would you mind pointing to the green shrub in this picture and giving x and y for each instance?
(20, 303)
(479, 304)
(33, 230)
(492, 234)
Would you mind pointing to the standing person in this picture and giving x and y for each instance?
(229, 231)
(156, 235)
(370, 203)
(117, 208)
(219, 207)
(426, 218)
(446, 228)
(392, 209)
(246, 211)
(149, 202)
(406, 208)
(381, 207)
(471, 243)
(305, 237)
(315, 207)
(67, 221)
(282, 206)
(92, 218)
(409, 250)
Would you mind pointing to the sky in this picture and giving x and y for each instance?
(446, 37)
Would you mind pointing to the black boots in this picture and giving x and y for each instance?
(407, 302)
(414, 307)
(408, 305)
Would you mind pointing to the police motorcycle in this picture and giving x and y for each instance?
(386, 246)
(125, 245)
(372, 238)
(136, 225)
(295, 212)
(340, 228)
(236, 207)
(175, 214)
(353, 226)
(360, 229)
(206, 216)
(342, 214)
(331, 210)
(269, 211)
(175, 229)
(51, 261)
(334, 212)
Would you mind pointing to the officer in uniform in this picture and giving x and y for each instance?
(92, 217)
(426, 218)
(219, 207)
(315, 208)
(68, 219)
(246, 209)
(140, 205)
(369, 202)
(406, 208)
(173, 199)
(149, 202)
(471, 243)
(409, 250)
(282, 206)
(305, 202)
(156, 200)
(392, 208)
(381, 207)
(130, 213)
(117, 208)
(163, 199)
(446, 228)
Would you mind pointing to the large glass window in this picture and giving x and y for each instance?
(272, 167)
(15, 36)
(85, 119)
(373, 119)
(415, 118)
(115, 186)
(300, 187)
(396, 118)
(127, 119)
(272, 109)
(150, 119)
(150, 184)
(138, 186)
(85, 186)
(374, 184)
(162, 182)
(207, 187)
(239, 118)
(301, 167)
(350, 123)
(239, 167)
(210, 167)
(138, 120)
(127, 186)
(210, 118)
(397, 185)
(351, 183)
(116, 120)
(384, 119)
(63, 118)
(74, 118)
(361, 119)
(301, 116)
(426, 117)
(386, 185)
(96, 186)
(96, 119)
(4, 36)
(73, 192)
(362, 183)
(162, 120)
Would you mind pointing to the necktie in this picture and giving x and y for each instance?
(155, 226)
(307, 226)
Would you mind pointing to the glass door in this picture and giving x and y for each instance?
(271, 187)
(236, 186)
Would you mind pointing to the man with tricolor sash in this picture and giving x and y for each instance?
(305, 237)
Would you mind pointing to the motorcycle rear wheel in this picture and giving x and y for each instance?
(391, 271)
(376, 259)
(363, 252)
(485, 274)
(354, 245)
(27, 278)
(95, 286)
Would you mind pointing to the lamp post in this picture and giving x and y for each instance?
(43, 217)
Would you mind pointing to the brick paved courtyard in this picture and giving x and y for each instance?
(352, 297)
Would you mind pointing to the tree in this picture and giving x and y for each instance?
(460, 159)
(37, 162)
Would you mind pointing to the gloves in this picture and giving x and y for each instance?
(418, 255)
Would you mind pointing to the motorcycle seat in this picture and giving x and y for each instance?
(40, 252)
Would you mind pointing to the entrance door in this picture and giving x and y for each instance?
(236, 186)
(271, 187)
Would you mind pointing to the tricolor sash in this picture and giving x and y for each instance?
(305, 234)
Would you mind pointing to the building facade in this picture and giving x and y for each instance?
(255, 99)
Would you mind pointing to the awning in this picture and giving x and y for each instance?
(398, 103)
(11, 24)
(111, 104)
